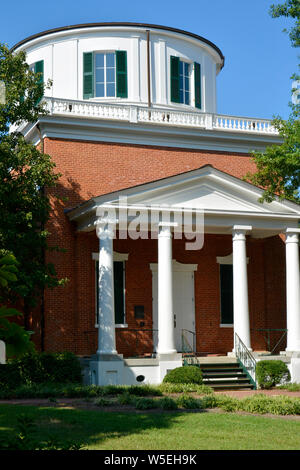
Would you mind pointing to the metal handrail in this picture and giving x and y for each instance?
(267, 338)
(137, 333)
(245, 358)
(185, 342)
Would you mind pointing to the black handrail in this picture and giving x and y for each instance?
(245, 358)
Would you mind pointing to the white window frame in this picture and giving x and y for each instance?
(190, 74)
(94, 59)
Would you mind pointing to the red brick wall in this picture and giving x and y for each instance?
(90, 169)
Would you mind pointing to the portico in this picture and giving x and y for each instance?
(229, 208)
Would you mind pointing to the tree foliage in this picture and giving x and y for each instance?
(278, 168)
(25, 172)
(16, 339)
(289, 9)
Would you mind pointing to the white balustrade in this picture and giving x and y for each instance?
(159, 116)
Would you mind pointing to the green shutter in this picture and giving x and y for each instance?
(226, 281)
(175, 79)
(39, 68)
(121, 74)
(88, 75)
(197, 85)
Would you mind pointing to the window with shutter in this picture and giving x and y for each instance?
(105, 74)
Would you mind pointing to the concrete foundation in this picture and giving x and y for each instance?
(119, 371)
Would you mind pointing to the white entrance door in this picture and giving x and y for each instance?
(183, 304)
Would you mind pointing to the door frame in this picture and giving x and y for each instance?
(176, 267)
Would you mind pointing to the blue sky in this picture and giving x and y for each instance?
(259, 59)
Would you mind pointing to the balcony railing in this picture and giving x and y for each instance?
(166, 117)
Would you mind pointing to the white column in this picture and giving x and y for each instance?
(106, 303)
(166, 340)
(292, 289)
(240, 284)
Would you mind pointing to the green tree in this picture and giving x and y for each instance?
(25, 172)
(16, 338)
(289, 9)
(278, 168)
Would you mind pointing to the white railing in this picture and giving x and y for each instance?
(168, 117)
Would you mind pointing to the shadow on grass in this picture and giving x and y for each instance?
(81, 427)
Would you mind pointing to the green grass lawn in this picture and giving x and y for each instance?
(156, 430)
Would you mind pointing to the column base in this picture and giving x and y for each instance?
(113, 356)
(169, 356)
(290, 353)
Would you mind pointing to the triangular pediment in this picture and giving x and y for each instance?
(207, 189)
(224, 199)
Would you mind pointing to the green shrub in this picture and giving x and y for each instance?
(10, 377)
(188, 402)
(126, 399)
(103, 402)
(209, 401)
(271, 373)
(62, 367)
(144, 391)
(184, 375)
(185, 388)
(168, 403)
(40, 368)
(145, 403)
(291, 387)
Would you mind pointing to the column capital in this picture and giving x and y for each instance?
(239, 232)
(292, 235)
(105, 227)
(164, 228)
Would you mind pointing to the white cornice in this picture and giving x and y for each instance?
(149, 134)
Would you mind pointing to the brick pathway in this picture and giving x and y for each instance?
(247, 393)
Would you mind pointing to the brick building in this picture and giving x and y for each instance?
(167, 249)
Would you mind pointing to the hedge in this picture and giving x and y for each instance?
(38, 368)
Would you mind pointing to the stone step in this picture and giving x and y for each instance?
(221, 374)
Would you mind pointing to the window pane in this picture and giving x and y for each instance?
(186, 84)
(110, 89)
(181, 96)
(100, 89)
(110, 60)
(100, 75)
(99, 60)
(186, 68)
(110, 75)
(181, 82)
(187, 98)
